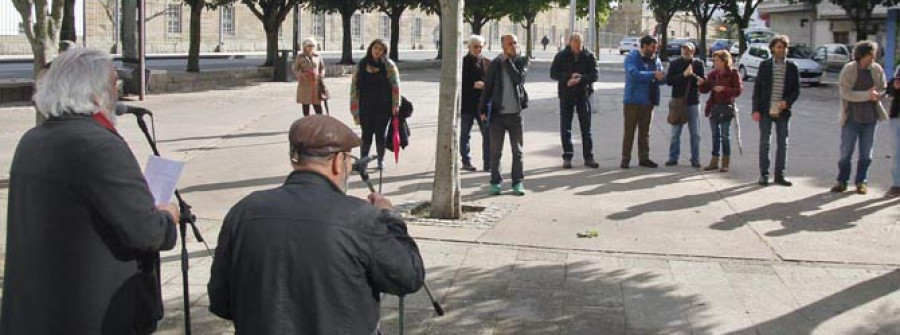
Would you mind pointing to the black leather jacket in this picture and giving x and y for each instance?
(493, 84)
(305, 258)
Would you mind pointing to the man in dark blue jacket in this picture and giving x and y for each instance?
(685, 76)
(575, 68)
(643, 76)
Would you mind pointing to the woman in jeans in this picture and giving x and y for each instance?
(375, 97)
(862, 84)
(724, 85)
(310, 71)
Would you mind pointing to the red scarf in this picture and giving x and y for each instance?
(103, 121)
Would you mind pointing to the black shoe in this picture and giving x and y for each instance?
(763, 180)
(469, 167)
(648, 164)
(567, 163)
(625, 164)
(839, 188)
(783, 182)
(696, 165)
(591, 163)
(671, 163)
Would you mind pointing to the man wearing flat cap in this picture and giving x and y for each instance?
(305, 258)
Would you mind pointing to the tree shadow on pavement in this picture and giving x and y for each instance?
(806, 319)
(683, 202)
(224, 137)
(581, 297)
(792, 215)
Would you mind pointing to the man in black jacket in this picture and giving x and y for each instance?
(685, 76)
(84, 232)
(305, 258)
(473, 69)
(776, 89)
(504, 91)
(575, 68)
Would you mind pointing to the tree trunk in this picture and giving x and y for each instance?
(67, 32)
(862, 32)
(193, 61)
(529, 41)
(742, 40)
(477, 25)
(703, 31)
(445, 197)
(664, 41)
(271, 44)
(395, 35)
(347, 42)
(128, 31)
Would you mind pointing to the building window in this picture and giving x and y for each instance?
(515, 29)
(318, 26)
(356, 26)
(842, 37)
(228, 20)
(385, 27)
(173, 19)
(417, 30)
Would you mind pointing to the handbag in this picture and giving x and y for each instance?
(722, 112)
(678, 113)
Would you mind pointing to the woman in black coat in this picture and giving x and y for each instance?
(375, 97)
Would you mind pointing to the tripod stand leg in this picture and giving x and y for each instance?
(400, 318)
(184, 276)
(437, 307)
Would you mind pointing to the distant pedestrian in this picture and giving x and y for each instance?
(309, 69)
(473, 71)
(375, 97)
(685, 75)
(643, 76)
(504, 89)
(724, 86)
(862, 84)
(545, 41)
(894, 90)
(575, 68)
(776, 88)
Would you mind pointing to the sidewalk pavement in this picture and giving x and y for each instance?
(678, 252)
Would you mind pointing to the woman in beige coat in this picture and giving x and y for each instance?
(309, 69)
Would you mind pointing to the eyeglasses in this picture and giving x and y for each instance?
(353, 159)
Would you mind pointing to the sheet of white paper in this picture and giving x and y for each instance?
(162, 177)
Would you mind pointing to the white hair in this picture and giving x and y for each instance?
(475, 39)
(78, 82)
(309, 41)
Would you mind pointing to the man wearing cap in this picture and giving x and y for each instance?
(685, 76)
(306, 258)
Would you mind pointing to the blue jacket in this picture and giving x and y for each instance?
(639, 79)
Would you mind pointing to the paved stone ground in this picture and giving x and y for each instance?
(679, 251)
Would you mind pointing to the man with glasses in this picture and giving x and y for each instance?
(306, 258)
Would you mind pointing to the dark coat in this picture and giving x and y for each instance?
(493, 84)
(762, 88)
(83, 235)
(730, 79)
(675, 78)
(895, 104)
(305, 258)
(473, 70)
(564, 65)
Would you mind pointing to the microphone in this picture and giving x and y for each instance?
(122, 109)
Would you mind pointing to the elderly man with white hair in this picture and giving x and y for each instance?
(83, 231)
(575, 70)
(473, 70)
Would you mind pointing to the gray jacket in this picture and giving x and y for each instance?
(83, 235)
(848, 79)
(305, 258)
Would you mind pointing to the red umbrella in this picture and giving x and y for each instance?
(395, 135)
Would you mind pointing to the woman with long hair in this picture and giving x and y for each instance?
(375, 96)
(309, 69)
(724, 86)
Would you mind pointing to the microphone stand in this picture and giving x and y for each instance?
(186, 218)
(434, 303)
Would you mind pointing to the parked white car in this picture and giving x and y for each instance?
(629, 43)
(735, 49)
(810, 70)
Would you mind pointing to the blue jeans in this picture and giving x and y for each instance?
(850, 133)
(782, 127)
(721, 137)
(468, 120)
(675, 141)
(567, 110)
(895, 171)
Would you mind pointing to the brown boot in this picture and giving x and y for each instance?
(713, 164)
(726, 161)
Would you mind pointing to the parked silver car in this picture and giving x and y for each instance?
(629, 43)
(810, 70)
(833, 56)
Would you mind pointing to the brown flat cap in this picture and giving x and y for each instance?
(321, 135)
